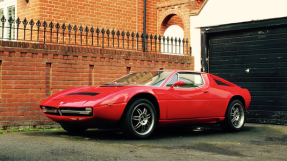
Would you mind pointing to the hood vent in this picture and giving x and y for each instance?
(84, 93)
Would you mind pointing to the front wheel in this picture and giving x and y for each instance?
(140, 119)
(234, 118)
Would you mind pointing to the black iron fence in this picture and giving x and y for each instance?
(57, 33)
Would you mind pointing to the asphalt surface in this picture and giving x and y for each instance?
(255, 142)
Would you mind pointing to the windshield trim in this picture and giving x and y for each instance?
(160, 85)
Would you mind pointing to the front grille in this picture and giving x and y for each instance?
(65, 111)
(76, 111)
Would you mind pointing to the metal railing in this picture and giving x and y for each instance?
(57, 33)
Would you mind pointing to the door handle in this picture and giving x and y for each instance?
(205, 91)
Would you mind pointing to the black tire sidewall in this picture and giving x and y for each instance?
(127, 126)
(227, 124)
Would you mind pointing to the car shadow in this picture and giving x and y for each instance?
(205, 138)
(194, 131)
(91, 134)
(117, 135)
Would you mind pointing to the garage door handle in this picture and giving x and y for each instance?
(247, 70)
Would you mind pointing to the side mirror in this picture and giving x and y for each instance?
(178, 84)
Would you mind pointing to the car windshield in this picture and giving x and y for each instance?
(146, 78)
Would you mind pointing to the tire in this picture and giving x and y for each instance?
(74, 129)
(234, 117)
(140, 119)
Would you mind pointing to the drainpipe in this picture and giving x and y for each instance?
(144, 26)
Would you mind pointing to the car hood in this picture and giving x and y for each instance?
(89, 96)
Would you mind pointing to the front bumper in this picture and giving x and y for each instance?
(68, 111)
(100, 116)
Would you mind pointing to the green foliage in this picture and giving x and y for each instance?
(29, 129)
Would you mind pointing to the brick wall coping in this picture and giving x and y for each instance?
(89, 53)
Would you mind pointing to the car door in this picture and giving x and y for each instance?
(189, 100)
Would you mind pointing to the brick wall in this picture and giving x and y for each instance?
(151, 17)
(30, 72)
(120, 14)
(197, 4)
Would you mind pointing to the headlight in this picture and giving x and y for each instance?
(89, 109)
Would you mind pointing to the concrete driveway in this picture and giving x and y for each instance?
(255, 142)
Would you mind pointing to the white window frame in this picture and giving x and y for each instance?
(4, 5)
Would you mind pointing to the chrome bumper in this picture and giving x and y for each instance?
(68, 111)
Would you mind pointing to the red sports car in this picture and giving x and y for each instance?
(140, 102)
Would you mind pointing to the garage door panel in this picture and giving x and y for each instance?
(239, 65)
(253, 72)
(258, 79)
(267, 108)
(271, 101)
(266, 44)
(255, 59)
(269, 93)
(229, 76)
(249, 38)
(258, 89)
(264, 86)
(267, 116)
(282, 49)
(232, 35)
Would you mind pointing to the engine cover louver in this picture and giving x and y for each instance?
(84, 93)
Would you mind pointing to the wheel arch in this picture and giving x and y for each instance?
(147, 96)
(238, 97)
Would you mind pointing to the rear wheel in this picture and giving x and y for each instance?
(74, 129)
(140, 119)
(234, 118)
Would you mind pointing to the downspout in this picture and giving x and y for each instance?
(144, 27)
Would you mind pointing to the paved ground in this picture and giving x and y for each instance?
(255, 142)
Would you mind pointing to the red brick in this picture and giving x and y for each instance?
(23, 118)
(18, 113)
(28, 113)
(5, 114)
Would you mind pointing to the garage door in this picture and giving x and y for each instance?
(256, 59)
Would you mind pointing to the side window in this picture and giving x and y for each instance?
(11, 13)
(8, 8)
(172, 80)
(220, 83)
(191, 80)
